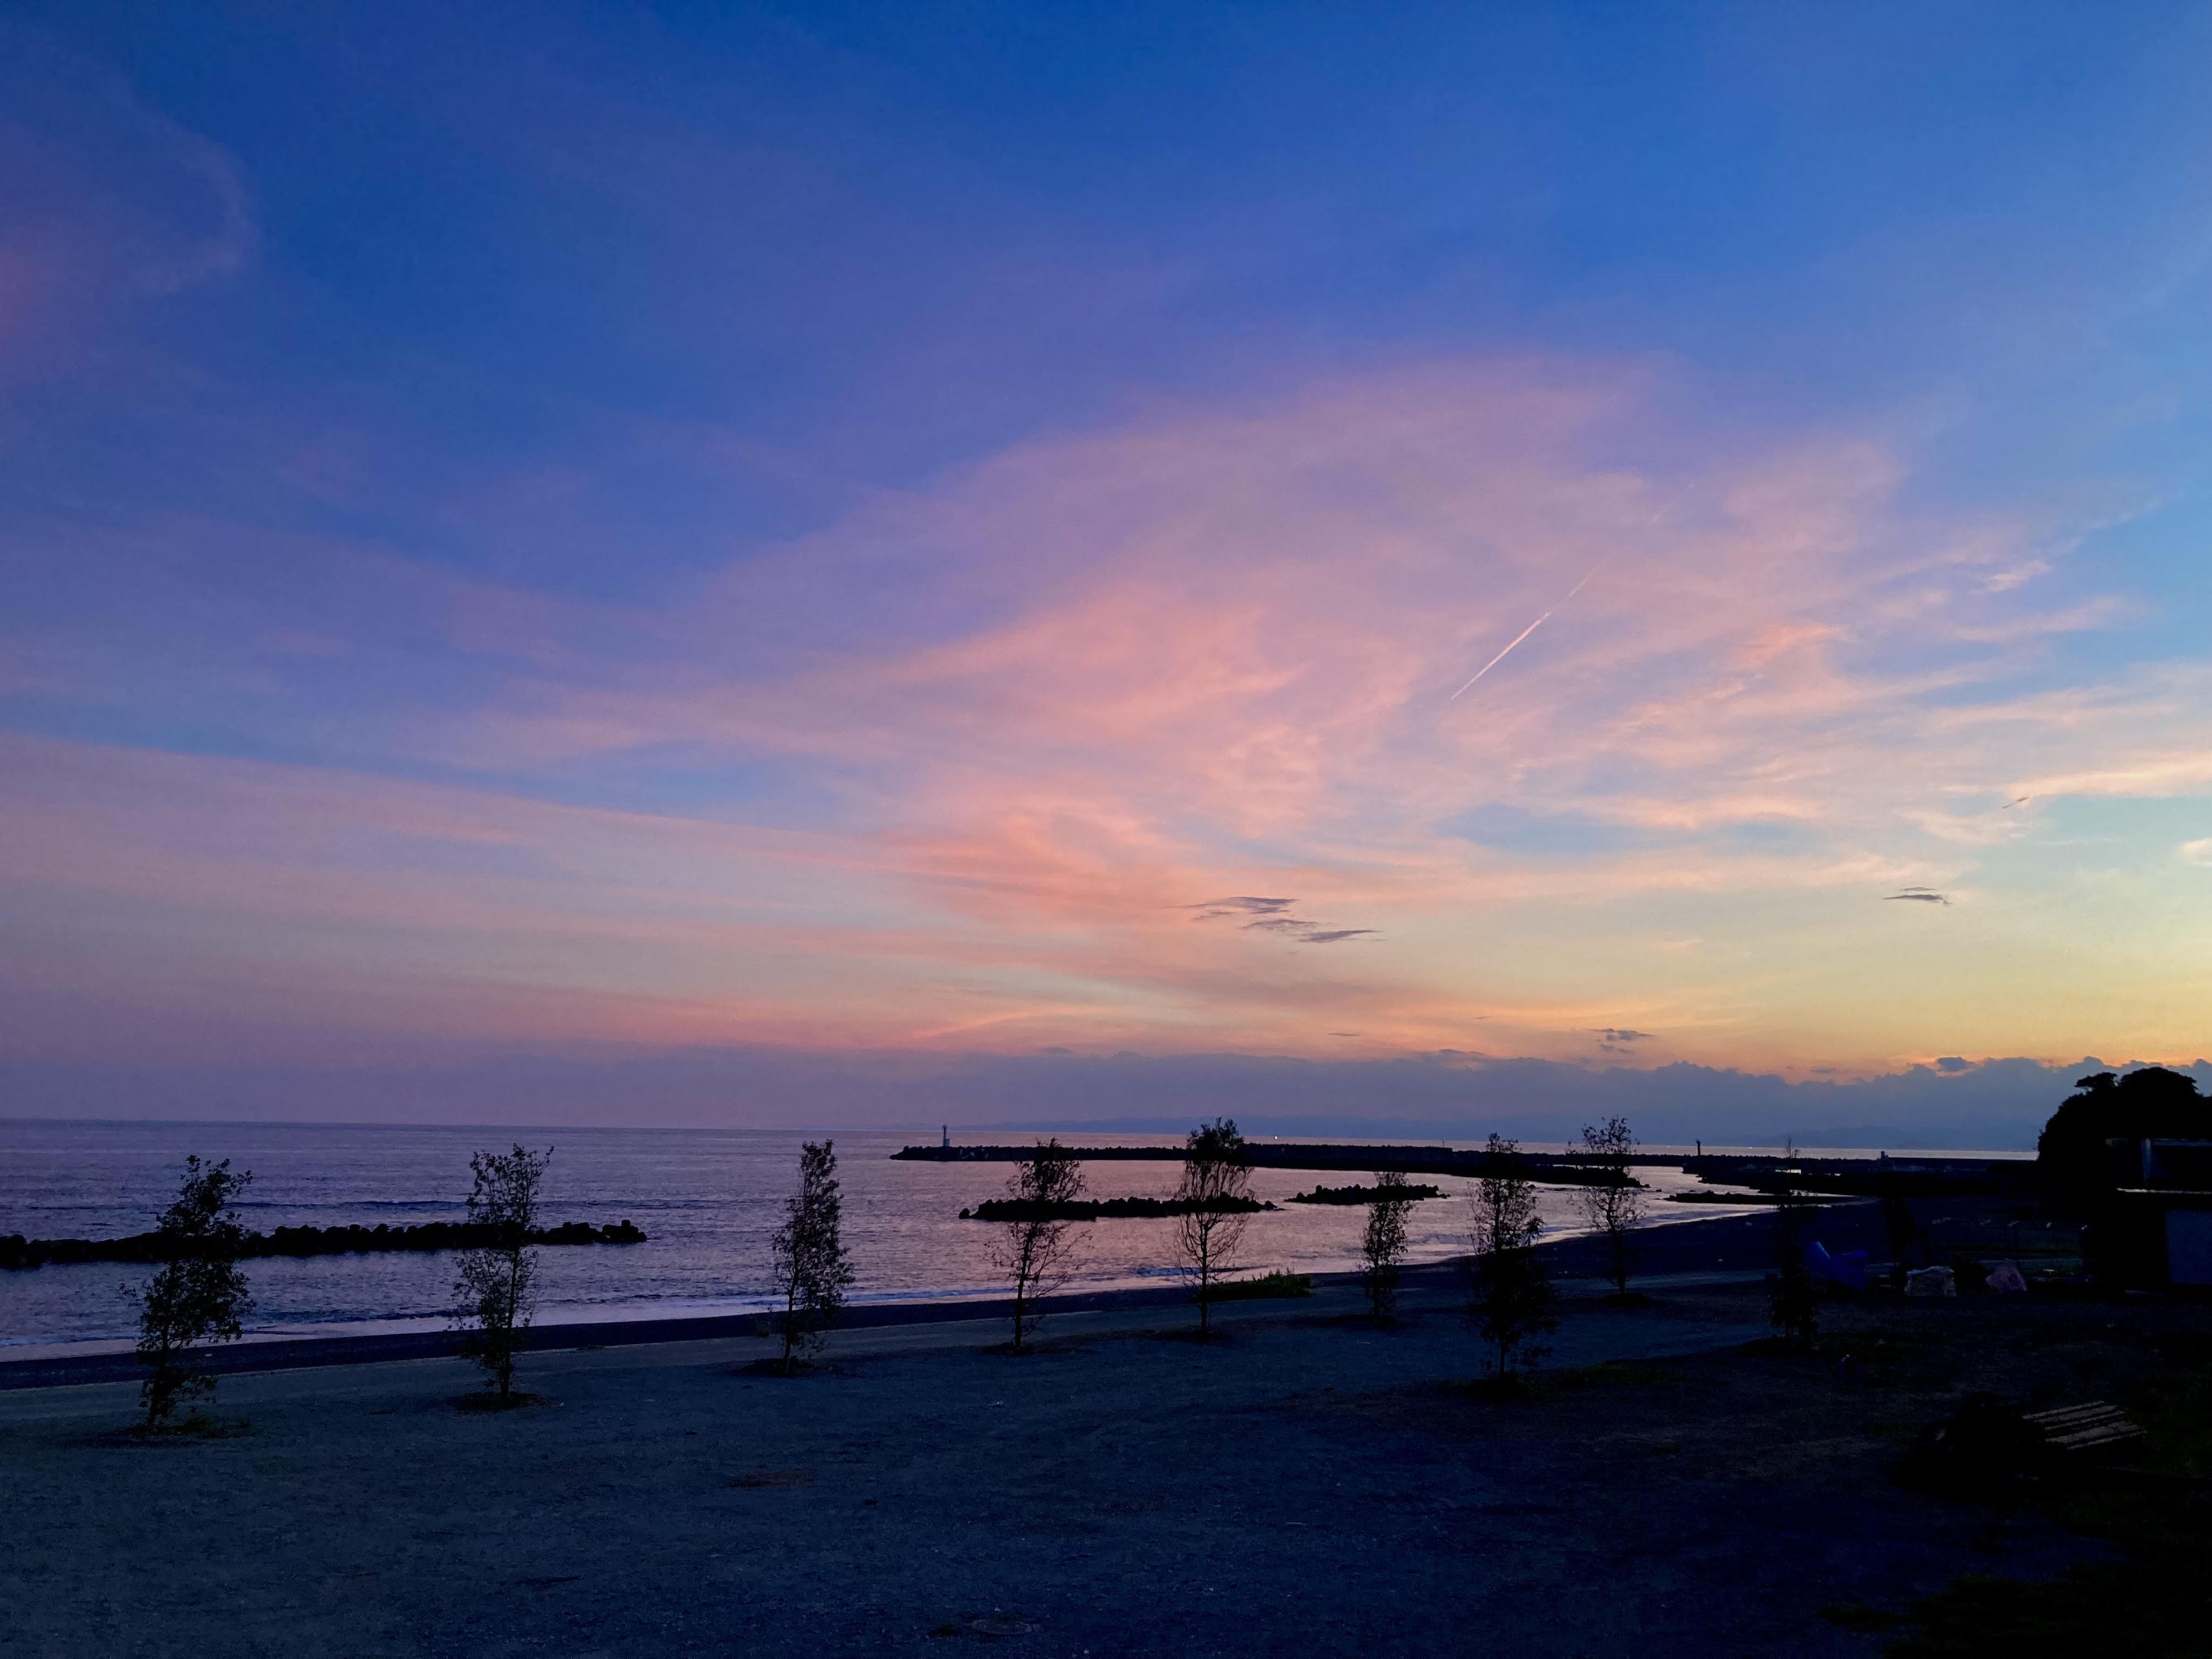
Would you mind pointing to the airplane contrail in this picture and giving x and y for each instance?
(1522, 636)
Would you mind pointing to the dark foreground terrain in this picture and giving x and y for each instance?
(1306, 1485)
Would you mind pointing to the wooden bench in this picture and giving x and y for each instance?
(2089, 1428)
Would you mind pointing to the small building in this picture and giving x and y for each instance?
(2158, 1233)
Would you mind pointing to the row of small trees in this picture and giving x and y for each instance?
(497, 1286)
(1512, 1302)
(201, 1296)
(1213, 1202)
(1512, 1293)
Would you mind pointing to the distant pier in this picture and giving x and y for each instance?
(1918, 1175)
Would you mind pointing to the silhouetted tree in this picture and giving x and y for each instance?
(1037, 1245)
(1512, 1292)
(1613, 1208)
(496, 1284)
(812, 1271)
(1383, 1246)
(1899, 1225)
(1217, 1171)
(2076, 1160)
(199, 1295)
(1793, 1305)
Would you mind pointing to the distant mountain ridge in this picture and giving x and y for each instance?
(1890, 1137)
(1954, 1102)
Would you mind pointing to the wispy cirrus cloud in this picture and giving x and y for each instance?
(109, 201)
(952, 769)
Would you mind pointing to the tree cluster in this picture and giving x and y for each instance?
(2085, 1150)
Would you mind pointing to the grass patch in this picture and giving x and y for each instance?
(1264, 1288)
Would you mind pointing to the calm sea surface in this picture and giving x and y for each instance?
(708, 1199)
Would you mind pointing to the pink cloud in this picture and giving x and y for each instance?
(1050, 703)
(110, 204)
(1251, 622)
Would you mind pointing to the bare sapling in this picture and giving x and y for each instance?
(1040, 1242)
(1793, 1306)
(812, 1271)
(1217, 1177)
(1383, 1246)
(1512, 1293)
(199, 1294)
(496, 1284)
(1614, 1206)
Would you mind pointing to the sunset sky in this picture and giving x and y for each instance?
(899, 537)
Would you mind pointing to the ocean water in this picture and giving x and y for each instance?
(708, 1199)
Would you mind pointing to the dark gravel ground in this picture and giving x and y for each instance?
(1308, 1484)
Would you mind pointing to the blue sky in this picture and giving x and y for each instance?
(842, 527)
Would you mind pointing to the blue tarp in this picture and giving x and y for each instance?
(1848, 1271)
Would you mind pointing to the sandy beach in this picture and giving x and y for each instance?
(1309, 1484)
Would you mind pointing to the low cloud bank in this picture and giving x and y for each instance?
(1955, 1102)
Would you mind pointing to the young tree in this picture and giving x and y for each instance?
(1382, 1247)
(199, 1294)
(812, 1271)
(1037, 1245)
(1793, 1306)
(1898, 1222)
(1512, 1293)
(1217, 1173)
(1615, 1207)
(496, 1285)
